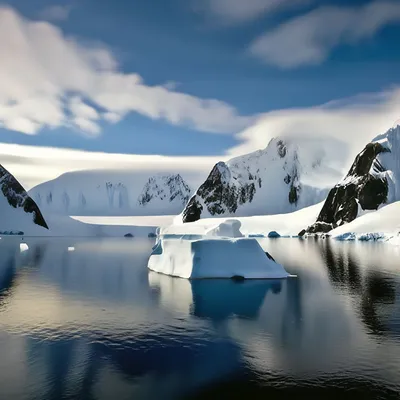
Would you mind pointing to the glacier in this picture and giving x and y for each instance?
(113, 193)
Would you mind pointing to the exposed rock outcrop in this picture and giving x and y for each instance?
(17, 197)
(370, 183)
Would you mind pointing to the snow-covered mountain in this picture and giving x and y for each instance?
(17, 210)
(105, 192)
(373, 181)
(287, 175)
(169, 188)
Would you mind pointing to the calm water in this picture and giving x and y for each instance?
(95, 324)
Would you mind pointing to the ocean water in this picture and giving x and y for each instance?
(85, 319)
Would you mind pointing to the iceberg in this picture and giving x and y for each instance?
(238, 258)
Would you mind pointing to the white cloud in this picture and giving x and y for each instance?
(354, 121)
(112, 117)
(84, 116)
(309, 39)
(56, 13)
(41, 69)
(33, 165)
(239, 11)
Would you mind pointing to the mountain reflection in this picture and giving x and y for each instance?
(7, 270)
(370, 288)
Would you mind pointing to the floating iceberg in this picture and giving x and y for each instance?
(229, 228)
(23, 247)
(214, 258)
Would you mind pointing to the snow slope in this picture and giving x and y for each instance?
(383, 224)
(372, 181)
(106, 192)
(286, 176)
(285, 224)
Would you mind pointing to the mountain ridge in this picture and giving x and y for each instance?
(275, 180)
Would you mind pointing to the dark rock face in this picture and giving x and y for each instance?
(17, 197)
(218, 195)
(359, 187)
(168, 188)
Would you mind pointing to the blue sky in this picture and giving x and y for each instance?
(246, 59)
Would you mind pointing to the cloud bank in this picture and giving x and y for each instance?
(47, 80)
(33, 165)
(310, 38)
(354, 121)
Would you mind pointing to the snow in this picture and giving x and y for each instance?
(114, 193)
(214, 258)
(61, 225)
(229, 228)
(383, 224)
(286, 224)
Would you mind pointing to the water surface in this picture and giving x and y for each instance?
(93, 323)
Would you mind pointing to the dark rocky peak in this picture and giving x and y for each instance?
(219, 194)
(17, 197)
(363, 162)
(365, 185)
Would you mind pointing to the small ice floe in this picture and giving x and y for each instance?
(23, 247)
(71, 248)
(274, 235)
(237, 259)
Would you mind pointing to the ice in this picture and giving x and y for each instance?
(71, 248)
(23, 247)
(214, 258)
(274, 235)
(382, 225)
(229, 228)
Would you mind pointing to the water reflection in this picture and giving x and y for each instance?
(216, 300)
(94, 324)
(7, 271)
(221, 299)
(371, 289)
